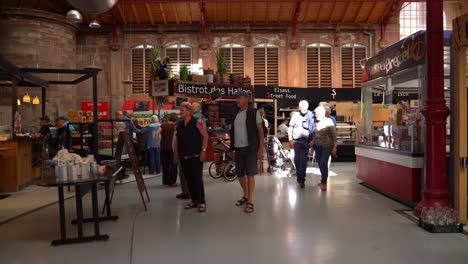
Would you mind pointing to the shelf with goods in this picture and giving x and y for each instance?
(285, 113)
(346, 133)
(81, 138)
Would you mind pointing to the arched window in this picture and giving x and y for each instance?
(235, 55)
(179, 55)
(319, 65)
(351, 70)
(266, 64)
(141, 71)
(413, 18)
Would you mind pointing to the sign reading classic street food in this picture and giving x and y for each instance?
(311, 94)
(404, 54)
(204, 90)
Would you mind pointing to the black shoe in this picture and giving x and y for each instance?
(302, 185)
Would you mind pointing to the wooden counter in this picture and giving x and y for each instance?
(16, 165)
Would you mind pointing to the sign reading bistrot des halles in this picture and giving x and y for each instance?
(405, 54)
(202, 90)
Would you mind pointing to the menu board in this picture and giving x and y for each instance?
(228, 111)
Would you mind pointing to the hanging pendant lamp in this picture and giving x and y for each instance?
(36, 101)
(26, 98)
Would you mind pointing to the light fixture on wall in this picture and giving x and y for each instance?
(18, 102)
(94, 24)
(36, 101)
(73, 16)
(26, 98)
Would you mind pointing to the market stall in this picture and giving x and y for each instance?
(16, 139)
(280, 102)
(390, 153)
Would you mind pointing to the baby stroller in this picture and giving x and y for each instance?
(277, 155)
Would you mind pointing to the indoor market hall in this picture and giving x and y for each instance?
(243, 131)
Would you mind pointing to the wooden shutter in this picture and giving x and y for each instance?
(347, 67)
(147, 56)
(235, 60)
(185, 57)
(312, 67)
(266, 66)
(359, 54)
(325, 67)
(178, 58)
(138, 71)
(173, 64)
(272, 66)
(259, 66)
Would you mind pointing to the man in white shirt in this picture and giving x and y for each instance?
(300, 135)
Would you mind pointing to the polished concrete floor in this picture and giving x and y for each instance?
(347, 224)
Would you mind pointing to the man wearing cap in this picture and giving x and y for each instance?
(301, 128)
(247, 139)
(44, 123)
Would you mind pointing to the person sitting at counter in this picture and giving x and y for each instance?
(283, 128)
(44, 123)
(63, 135)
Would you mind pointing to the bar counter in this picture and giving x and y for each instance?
(395, 173)
(19, 164)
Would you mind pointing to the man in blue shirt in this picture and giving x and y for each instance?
(152, 143)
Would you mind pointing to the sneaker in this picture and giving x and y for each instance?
(302, 185)
(323, 186)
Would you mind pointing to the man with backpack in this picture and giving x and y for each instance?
(300, 135)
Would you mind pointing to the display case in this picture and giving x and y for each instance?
(346, 139)
(108, 136)
(81, 138)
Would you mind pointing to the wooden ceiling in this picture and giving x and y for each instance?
(223, 11)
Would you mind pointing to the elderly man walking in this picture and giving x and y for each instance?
(300, 135)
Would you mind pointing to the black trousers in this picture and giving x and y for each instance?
(169, 168)
(193, 171)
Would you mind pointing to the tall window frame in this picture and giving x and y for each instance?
(179, 55)
(321, 76)
(351, 71)
(265, 72)
(235, 55)
(140, 68)
(413, 18)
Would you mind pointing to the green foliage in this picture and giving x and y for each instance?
(155, 53)
(184, 73)
(221, 63)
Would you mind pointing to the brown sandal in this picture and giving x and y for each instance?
(202, 208)
(241, 202)
(190, 206)
(249, 208)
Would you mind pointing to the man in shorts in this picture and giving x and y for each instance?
(247, 139)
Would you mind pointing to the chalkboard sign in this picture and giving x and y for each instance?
(228, 110)
(215, 95)
(125, 139)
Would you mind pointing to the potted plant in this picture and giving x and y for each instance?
(221, 63)
(154, 55)
(184, 73)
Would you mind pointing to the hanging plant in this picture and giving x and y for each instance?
(184, 73)
(155, 55)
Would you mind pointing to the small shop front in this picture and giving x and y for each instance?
(390, 149)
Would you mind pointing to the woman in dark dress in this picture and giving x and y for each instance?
(167, 154)
(190, 148)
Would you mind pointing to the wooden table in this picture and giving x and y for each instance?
(81, 188)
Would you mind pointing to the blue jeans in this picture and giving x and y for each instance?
(322, 155)
(301, 151)
(155, 160)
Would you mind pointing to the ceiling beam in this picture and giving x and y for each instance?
(371, 14)
(332, 13)
(318, 12)
(203, 23)
(175, 13)
(162, 13)
(357, 12)
(121, 13)
(297, 13)
(346, 9)
(149, 13)
(135, 14)
(190, 13)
